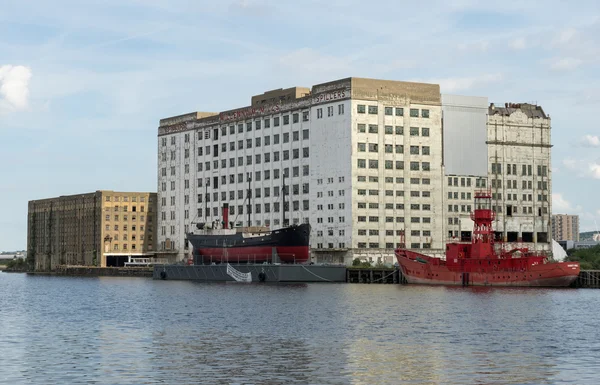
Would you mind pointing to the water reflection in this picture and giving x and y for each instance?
(134, 331)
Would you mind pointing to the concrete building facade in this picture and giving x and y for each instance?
(362, 161)
(102, 228)
(517, 155)
(565, 227)
(520, 173)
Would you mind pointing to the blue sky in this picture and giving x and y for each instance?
(84, 84)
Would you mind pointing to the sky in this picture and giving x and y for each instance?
(83, 84)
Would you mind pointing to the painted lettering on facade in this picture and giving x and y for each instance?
(329, 96)
(247, 113)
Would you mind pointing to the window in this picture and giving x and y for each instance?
(414, 150)
(373, 147)
(361, 127)
(425, 151)
(296, 117)
(360, 108)
(362, 163)
(399, 149)
(286, 137)
(373, 129)
(304, 116)
(362, 147)
(414, 131)
(389, 130)
(399, 111)
(340, 109)
(373, 110)
(330, 111)
(425, 131)
(414, 112)
(373, 163)
(399, 165)
(388, 110)
(276, 121)
(389, 148)
(286, 119)
(425, 113)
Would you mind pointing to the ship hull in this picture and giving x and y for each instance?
(560, 274)
(290, 243)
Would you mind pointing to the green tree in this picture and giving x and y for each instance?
(589, 259)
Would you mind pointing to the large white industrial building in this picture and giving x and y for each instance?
(363, 160)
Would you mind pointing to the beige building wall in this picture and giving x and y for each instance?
(128, 224)
(565, 227)
(74, 230)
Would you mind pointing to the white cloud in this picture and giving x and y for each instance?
(565, 63)
(465, 83)
(518, 44)
(591, 141)
(570, 163)
(565, 36)
(14, 86)
(478, 46)
(594, 169)
(560, 204)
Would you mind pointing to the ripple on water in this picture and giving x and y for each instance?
(137, 331)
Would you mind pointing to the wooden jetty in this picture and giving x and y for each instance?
(588, 279)
(374, 275)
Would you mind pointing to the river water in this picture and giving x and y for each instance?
(64, 330)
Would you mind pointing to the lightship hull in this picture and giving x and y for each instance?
(291, 244)
(431, 272)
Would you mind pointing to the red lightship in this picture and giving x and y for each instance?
(479, 263)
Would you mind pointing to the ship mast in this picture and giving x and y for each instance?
(249, 198)
(283, 207)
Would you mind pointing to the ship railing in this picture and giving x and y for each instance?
(245, 259)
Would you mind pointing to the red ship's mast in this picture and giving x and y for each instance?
(483, 234)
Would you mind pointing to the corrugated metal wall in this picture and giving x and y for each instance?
(465, 134)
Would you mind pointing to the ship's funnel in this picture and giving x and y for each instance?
(225, 215)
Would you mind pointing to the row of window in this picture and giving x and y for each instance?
(259, 208)
(330, 180)
(330, 111)
(126, 228)
(109, 198)
(376, 218)
(525, 184)
(248, 143)
(126, 218)
(391, 148)
(375, 179)
(389, 130)
(397, 206)
(375, 245)
(390, 193)
(463, 195)
(414, 233)
(126, 247)
(463, 208)
(465, 181)
(391, 165)
(399, 111)
(115, 237)
(526, 169)
(125, 208)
